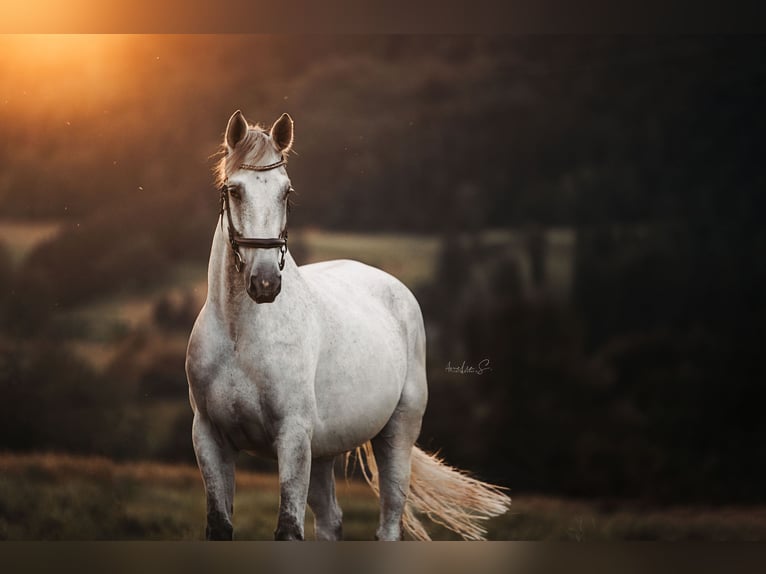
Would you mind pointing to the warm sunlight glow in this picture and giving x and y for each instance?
(53, 48)
(48, 52)
(51, 71)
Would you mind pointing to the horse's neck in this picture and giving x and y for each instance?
(221, 277)
(226, 295)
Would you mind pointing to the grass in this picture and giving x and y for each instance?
(60, 497)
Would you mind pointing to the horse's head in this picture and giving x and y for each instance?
(254, 192)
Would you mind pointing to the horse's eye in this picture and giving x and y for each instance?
(234, 191)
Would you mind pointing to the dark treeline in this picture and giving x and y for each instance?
(644, 381)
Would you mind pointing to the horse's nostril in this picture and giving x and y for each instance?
(262, 285)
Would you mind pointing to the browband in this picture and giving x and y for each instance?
(274, 165)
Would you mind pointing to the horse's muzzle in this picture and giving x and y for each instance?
(264, 288)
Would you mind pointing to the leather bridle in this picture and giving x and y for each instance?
(236, 240)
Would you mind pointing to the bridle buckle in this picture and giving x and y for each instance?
(238, 263)
(282, 253)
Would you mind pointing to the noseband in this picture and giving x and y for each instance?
(235, 238)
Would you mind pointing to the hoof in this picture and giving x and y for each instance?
(288, 529)
(218, 527)
(219, 532)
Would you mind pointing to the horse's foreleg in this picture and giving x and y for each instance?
(328, 518)
(216, 463)
(293, 447)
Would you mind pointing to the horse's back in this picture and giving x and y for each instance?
(358, 284)
(355, 274)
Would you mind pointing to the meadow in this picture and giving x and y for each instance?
(61, 497)
(69, 497)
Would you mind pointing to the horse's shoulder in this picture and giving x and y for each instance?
(200, 355)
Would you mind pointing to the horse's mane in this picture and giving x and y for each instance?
(251, 149)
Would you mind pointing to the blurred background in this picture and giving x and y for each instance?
(585, 214)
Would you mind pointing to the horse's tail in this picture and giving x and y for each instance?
(444, 494)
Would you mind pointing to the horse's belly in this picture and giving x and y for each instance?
(345, 417)
(354, 403)
(360, 374)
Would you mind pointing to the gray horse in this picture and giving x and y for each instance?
(308, 363)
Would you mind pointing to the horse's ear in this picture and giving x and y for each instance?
(282, 133)
(236, 129)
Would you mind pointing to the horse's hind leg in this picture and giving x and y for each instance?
(328, 518)
(216, 460)
(393, 451)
